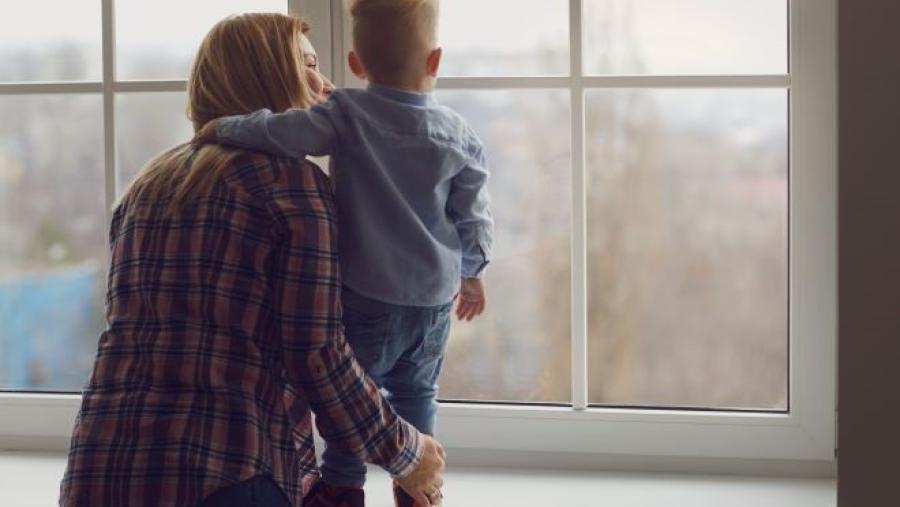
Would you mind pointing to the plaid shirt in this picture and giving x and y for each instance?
(224, 332)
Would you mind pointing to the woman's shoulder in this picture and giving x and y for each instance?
(260, 173)
(281, 181)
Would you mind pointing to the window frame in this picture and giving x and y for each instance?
(805, 432)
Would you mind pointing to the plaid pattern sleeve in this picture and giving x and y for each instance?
(350, 412)
(223, 334)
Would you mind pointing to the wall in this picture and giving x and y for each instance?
(869, 252)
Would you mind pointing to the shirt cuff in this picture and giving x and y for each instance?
(475, 268)
(224, 127)
(410, 456)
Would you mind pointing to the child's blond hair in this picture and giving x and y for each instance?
(393, 38)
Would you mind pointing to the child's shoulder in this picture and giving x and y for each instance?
(462, 131)
(434, 120)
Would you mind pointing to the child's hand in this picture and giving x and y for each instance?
(471, 299)
(207, 134)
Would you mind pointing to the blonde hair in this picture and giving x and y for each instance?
(245, 63)
(393, 38)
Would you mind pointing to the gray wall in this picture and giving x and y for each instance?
(869, 251)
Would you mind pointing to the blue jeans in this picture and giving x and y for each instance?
(259, 491)
(402, 350)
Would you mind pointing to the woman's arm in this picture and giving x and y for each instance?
(350, 411)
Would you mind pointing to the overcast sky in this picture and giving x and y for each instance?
(732, 35)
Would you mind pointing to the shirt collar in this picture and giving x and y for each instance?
(412, 98)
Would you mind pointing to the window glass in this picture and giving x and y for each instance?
(158, 39)
(519, 350)
(504, 37)
(687, 247)
(667, 37)
(52, 240)
(146, 125)
(687, 196)
(55, 40)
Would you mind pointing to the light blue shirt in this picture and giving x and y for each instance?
(410, 183)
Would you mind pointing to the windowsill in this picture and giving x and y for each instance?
(28, 480)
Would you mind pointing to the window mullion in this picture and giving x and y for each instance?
(318, 13)
(109, 103)
(579, 216)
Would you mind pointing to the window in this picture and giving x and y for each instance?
(685, 211)
(663, 184)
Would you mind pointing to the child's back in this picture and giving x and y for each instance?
(413, 199)
(410, 181)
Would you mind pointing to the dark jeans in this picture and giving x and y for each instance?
(260, 491)
(402, 350)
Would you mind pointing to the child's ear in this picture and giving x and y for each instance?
(356, 65)
(434, 62)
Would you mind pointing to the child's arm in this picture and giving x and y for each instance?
(469, 206)
(294, 133)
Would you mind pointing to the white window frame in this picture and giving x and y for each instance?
(583, 434)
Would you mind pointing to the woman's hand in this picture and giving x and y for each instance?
(472, 299)
(207, 134)
(425, 482)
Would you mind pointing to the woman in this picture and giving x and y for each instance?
(224, 315)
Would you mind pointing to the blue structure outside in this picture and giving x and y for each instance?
(51, 321)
